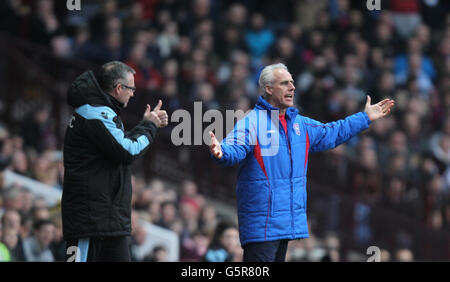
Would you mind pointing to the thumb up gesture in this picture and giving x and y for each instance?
(157, 116)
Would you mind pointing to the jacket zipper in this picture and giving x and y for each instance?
(292, 191)
(290, 182)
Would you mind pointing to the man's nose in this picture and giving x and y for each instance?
(291, 86)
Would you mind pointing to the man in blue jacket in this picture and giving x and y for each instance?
(271, 146)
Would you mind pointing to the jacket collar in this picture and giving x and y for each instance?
(262, 104)
(117, 106)
(85, 89)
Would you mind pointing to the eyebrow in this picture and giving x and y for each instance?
(286, 81)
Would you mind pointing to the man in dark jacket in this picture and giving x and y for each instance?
(96, 200)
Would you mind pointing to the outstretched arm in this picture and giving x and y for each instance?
(235, 147)
(329, 135)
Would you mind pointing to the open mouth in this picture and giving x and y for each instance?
(289, 96)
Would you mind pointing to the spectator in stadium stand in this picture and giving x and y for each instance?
(224, 243)
(271, 184)
(44, 23)
(208, 219)
(406, 16)
(168, 215)
(258, 37)
(193, 248)
(11, 236)
(37, 246)
(36, 129)
(138, 241)
(159, 254)
(96, 200)
(20, 164)
(4, 252)
(146, 77)
(58, 245)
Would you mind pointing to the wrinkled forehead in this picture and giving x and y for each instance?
(130, 79)
(281, 75)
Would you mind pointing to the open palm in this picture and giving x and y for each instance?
(379, 109)
(215, 148)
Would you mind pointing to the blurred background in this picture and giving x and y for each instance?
(388, 187)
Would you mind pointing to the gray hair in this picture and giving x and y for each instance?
(112, 73)
(266, 76)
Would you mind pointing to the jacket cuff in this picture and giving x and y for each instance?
(367, 118)
(222, 161)
(151, 126)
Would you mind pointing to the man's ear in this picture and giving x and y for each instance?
(117, 89)
(268, 89)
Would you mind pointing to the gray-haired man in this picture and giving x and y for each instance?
(96, 201)
(271, 188)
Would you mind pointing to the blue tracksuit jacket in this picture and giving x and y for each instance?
(271, 186)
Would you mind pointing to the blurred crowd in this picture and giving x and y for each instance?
(212, 51)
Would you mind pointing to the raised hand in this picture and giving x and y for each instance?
(215, 147)
(157, 116)
(378, 110)
(161, 114)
